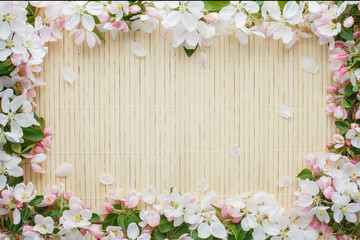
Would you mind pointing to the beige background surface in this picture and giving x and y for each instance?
(165, 121)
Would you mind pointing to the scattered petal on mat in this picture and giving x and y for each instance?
(309, 64)
(68, 75)
(106, 179)
(285, 111)
(63, 170)
(285, 182)
(148, 195)
(235, 151)
(203, 60)
(203, 185)
(138, 50)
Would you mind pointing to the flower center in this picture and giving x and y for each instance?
(332, 25)
(9, 43)
(12, 116)
(344, 209)
(43, 227)
(283, 234)
(353, 176)
(119, 7)
(174, 204)
(11, 204)
(78, 218)
(321, 213)
(2, 170)
(182, 8)
(317, 200)
(46, 20)
(8, 18)
(18, 85)
(29, 43)
(24, 195)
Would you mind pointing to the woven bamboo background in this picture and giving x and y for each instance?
(165, 121)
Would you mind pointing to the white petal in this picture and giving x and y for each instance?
(88, 22)
(3, 181)
(68, 74)
(148, 195)
(285, 111)
(285, 181)
(133, 231)
(204, 230)
(203, 185)
(195, 6)
(188, 21)
(290, 9)
(17, 216)
(251, 7)
(5, 104)
(63, 170)
(235, 151)
(218, 230)
(38, 158)
(4, 30)
(94, 8)
(106, 179)
(309, 64)
(91, 39)
(258, 233)
(138, 50)
(203, 60)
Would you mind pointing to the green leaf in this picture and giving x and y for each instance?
(36, 201)
(40, 210)
(109, 219)
(346, 103)
(215, 6)
(27, 147)
(133, 219)
(94, 218)
(347, 33)
(355, 150)
(117, 206)
(260, 2)
(33, 134)
(15, 181)
(218, 211)
(343, 126)
(306, 174)
(16, 147)
(182, 229)
(121, 222)
(165, 226)
(282, 4)
(42, 123)
(6, 70)
(233, 229)
(25, 214)
(190, 52)
(158, 235)
(355, 89)
(99, 34)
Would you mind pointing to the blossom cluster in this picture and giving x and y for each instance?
(328, 201)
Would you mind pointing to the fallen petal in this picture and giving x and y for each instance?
(309, 64)
(285, 182)
(148, 195)
(235, 151)
(203, 60)
(203, 185)
(68, 74)
(64, 170)
(285, 111)
(106, 179)
(138, 50)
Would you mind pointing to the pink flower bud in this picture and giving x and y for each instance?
(27, 228)
(328, 145)
(212, 17)
(324, 228)
(340, 113)
(315, 223)
(134, 9)
(48, 131)
(353, 161)
(324, 182)
(103, 17)
(170, 219)
(69, 194)
(55, 190)
(46, 142)
(349, 22)
(311, 159)
(348, 142)
(356, 35)
(19, 204)
(236, 220)
(146, 230)
(340, 72)
(190, 197)
(330, 108)
(31, 93)
(316, 169)
(83, 231)
(328, 192)
(354, 125)
(109, 208)
(39, 148)
(331, 89)
(330, 98)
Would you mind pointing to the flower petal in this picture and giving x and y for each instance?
(285, 181)
(63, 170)
(106, 179)
(88, 22)
(285, 111)
(235, 151)
(203, 185)
(148, 195)
(68, 74)
(138, 50)
(133, 231)
(203, 60)
(309, 64)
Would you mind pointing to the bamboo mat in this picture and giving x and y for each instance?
(165, 121)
